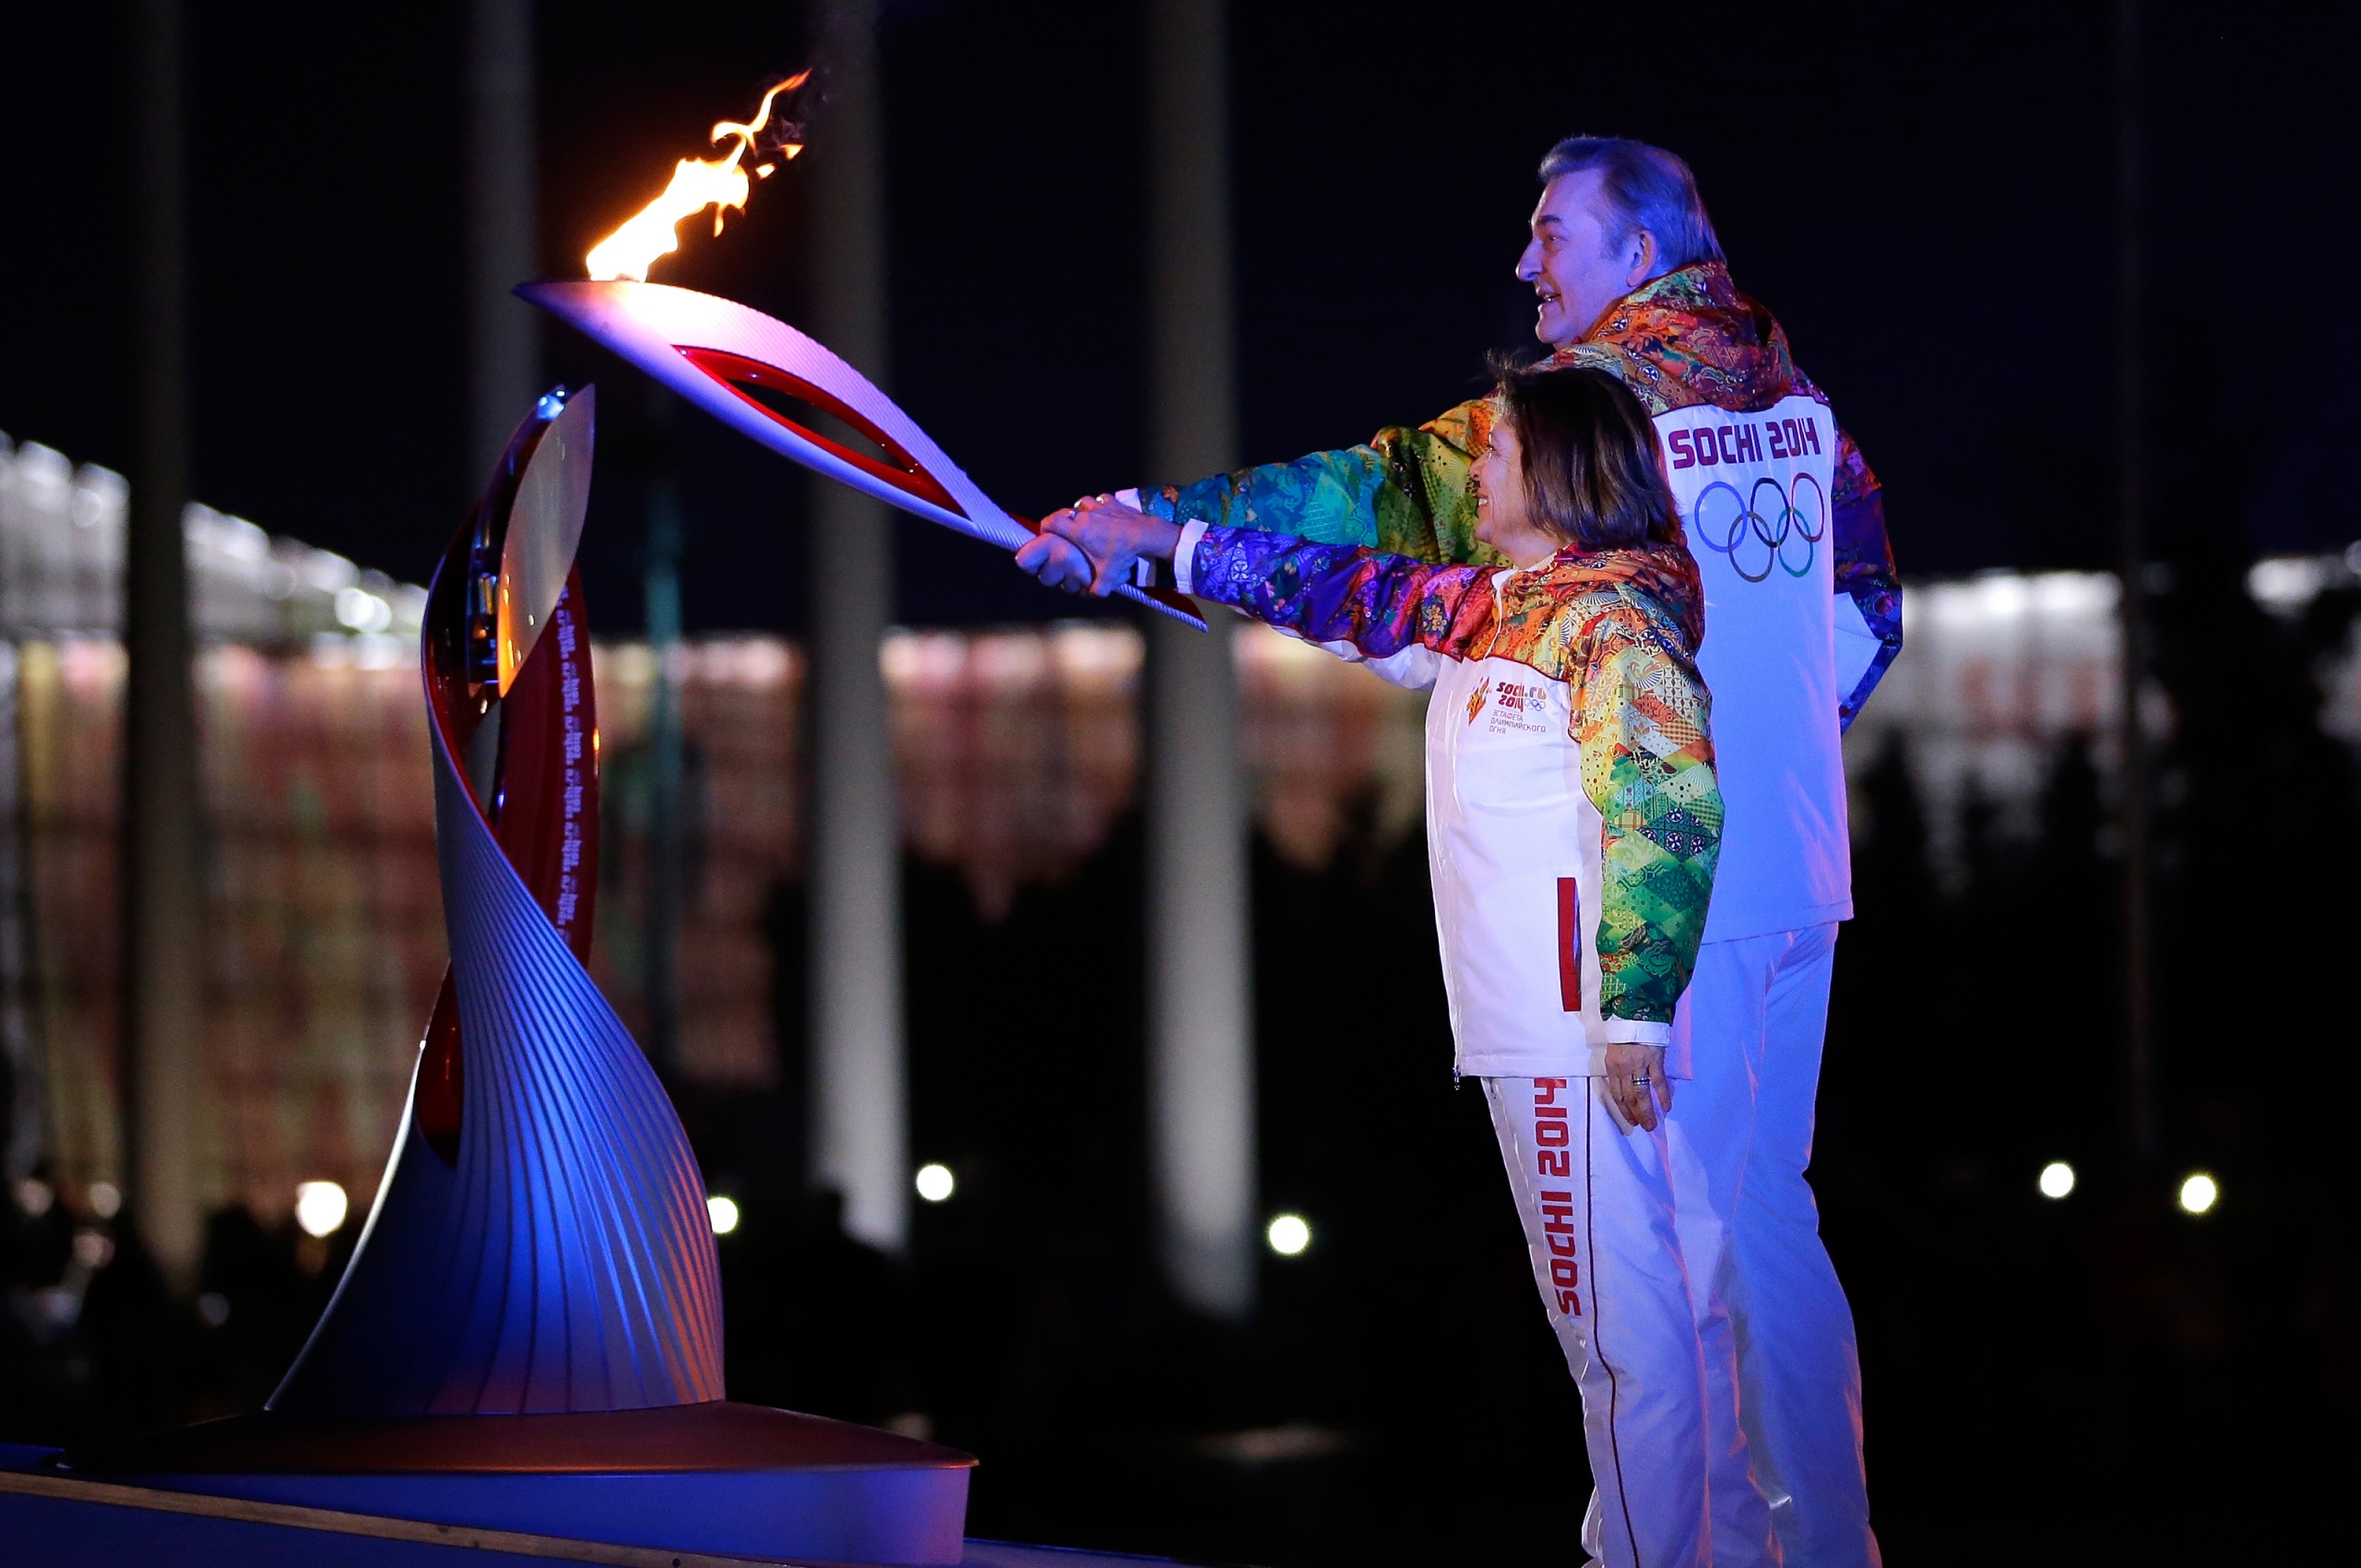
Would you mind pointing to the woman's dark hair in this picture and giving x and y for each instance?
(1590, 458)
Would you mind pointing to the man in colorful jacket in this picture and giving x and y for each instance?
(1803, 615)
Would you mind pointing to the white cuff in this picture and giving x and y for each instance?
(1632, 1031)
(1184, 556)
(1131, 498)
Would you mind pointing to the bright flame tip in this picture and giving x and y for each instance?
(721, 183)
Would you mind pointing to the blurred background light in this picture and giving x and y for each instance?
(1288, 1235)
(934, 1183)
(2056, 1178)
(363, 610)
(723, 1212)
(2199, 1193)
(320, 1208)
(106, 1199)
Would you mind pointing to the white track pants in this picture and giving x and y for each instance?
(1771, 1321)
(1598, 1206)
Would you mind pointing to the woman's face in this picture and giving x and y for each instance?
(1504, 508)
(1500, 500)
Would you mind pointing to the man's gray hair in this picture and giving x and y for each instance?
(1645, 187)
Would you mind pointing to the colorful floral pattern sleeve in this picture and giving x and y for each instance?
(1378, 605)
(1405, 492)
(1647, 762)
(1865, 567)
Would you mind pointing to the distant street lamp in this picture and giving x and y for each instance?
(320, 1208)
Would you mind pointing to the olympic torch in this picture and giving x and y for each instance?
(761, 377)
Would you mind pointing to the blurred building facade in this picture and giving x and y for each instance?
(1016, 755)
(322, 928)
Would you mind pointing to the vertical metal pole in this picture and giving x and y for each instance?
(1201, 1045)
(25, 1132)
(2131, 480)
(163, 982)
(504, 332)
(667, 835)
(860, 1134)
(27, 1129)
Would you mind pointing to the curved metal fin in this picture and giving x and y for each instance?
(544, 527)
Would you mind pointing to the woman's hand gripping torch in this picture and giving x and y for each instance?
(1095, 545)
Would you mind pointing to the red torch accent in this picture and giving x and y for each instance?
(545, 814)
(738, 373)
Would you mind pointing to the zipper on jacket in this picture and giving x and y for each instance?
(1499, 606)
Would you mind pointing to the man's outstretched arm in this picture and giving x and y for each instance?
(1405, 492)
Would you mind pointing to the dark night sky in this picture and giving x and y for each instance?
(1926, 199)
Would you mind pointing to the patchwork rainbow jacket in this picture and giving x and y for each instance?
(1684, 340)
(1573, 821)
(1802, 610)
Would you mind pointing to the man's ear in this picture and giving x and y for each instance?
(1640, 258)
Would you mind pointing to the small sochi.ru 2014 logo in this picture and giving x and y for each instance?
(1764, 527)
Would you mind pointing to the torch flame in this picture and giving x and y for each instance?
(696, 185)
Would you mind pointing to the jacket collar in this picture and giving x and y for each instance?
(1668, 573)
(1689, 337)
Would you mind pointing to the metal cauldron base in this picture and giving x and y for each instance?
(718, 1477)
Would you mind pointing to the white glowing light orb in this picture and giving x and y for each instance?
(363, 610)
(1288, 1235)
(106, 1199)
(2056, 1178)
(934, 1183)
(320, 1208)
(723, 1212)
(2199, 1194)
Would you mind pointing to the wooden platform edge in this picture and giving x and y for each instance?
(291, 1516)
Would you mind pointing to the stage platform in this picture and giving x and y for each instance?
(51, 1520)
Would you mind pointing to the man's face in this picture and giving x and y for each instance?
(1573, 270)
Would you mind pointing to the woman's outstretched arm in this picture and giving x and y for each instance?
(1390, 611)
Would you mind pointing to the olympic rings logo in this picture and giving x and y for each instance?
(1742, 528)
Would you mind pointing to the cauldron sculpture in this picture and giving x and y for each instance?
(529, 1335)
